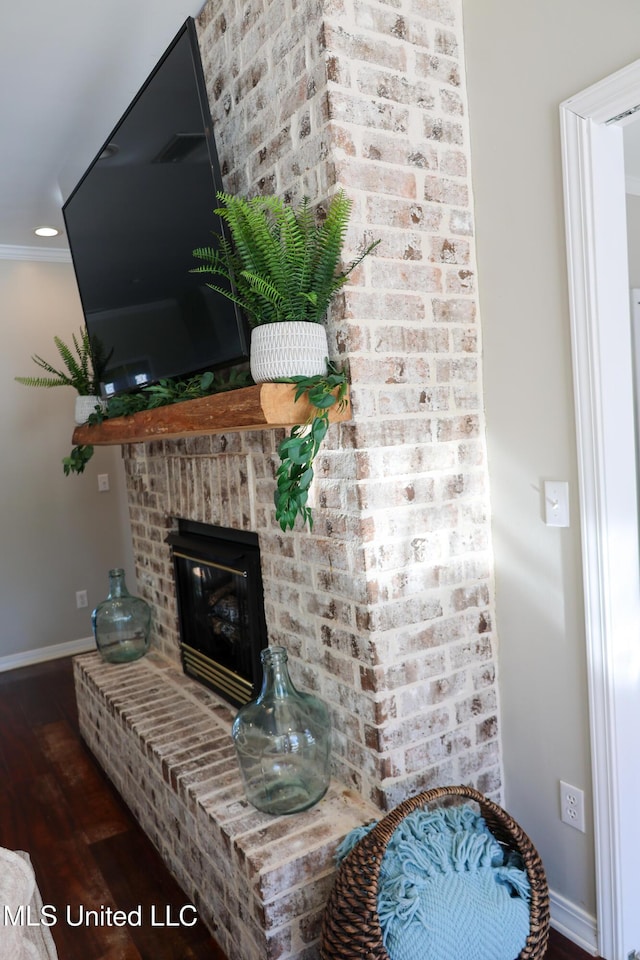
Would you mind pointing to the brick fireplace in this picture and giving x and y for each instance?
(386, 609)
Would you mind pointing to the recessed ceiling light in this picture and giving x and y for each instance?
(46, 232)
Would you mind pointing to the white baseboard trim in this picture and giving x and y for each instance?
(574, 923)
(16, 660)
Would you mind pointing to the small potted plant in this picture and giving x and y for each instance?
(79, 370)
(282, 263)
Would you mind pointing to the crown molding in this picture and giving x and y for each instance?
(50, 255)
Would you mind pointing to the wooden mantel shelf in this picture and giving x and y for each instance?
(266, 405)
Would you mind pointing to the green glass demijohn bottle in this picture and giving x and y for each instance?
(121, 623)
(283, 742)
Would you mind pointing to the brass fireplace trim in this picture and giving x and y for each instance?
(210, 563)
(225, 679)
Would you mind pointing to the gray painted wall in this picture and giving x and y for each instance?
(523, 60)
(59, 534)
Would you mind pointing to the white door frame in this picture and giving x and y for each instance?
(594, 193)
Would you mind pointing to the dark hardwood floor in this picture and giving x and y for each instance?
(87, 850)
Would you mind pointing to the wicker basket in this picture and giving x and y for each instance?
(351, 928)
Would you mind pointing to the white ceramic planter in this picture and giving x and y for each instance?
(291, 348)
(85, 406)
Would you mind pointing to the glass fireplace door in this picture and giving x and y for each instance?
(221, 613)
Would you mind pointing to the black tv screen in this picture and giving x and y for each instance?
(145, 203)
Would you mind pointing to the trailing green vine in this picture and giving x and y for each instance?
(297, 452)
(77, 459)
(154, 395)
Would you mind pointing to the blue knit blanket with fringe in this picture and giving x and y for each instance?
(448, 890)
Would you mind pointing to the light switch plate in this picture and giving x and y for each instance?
(556, 503)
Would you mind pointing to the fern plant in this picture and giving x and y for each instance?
(281, 262)
(78, 368)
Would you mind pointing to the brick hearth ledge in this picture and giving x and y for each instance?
(259, 882)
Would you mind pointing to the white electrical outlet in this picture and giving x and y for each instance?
(572, 806)
(81, 599)
(103, 482)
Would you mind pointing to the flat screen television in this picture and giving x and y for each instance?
(145, 203)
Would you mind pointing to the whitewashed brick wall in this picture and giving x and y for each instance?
(259, 882)
(387, 609)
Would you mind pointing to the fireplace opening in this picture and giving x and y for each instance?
(220, 607)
